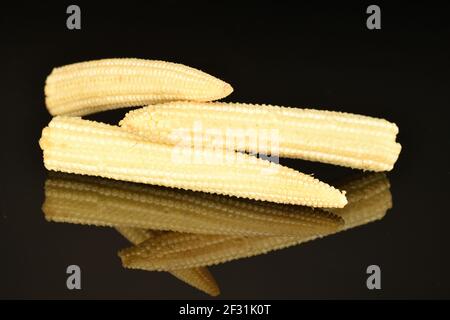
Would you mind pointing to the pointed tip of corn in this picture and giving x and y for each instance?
(335, 198)
(318, 194)
(138, 122)
(215, 293)
(199, 278)
(227, 89)
(220, 90)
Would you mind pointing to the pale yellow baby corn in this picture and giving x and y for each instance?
(104, 202)
(338, 138)
(93, 86)
(199, 277)
(79, 146)
(174, 250)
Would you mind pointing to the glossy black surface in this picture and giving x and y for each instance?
(317, 56)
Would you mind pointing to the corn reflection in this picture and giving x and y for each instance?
(199, 277)
(183, 232)
(103, 202)
(369, 199)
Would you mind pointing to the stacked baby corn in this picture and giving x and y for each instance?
(182, 139)
(146, 149)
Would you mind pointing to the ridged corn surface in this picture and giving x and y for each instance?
(74, 145)
(338, 138)
(104, 202)
(98, 85)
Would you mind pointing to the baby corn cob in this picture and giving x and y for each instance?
(199, 277)
(80, 146)
(338, 138)
(174, 250)
(93, 86)
(103, 202)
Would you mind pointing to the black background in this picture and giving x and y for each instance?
(315, 55)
